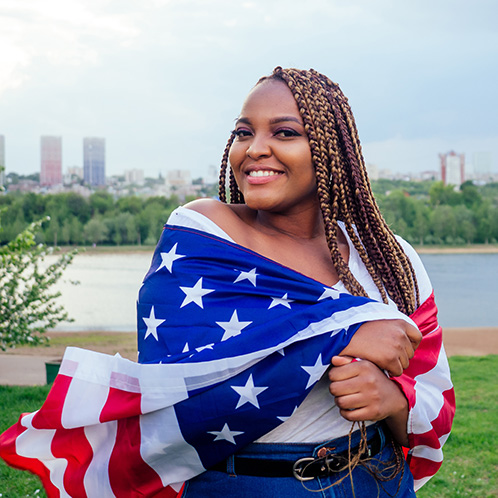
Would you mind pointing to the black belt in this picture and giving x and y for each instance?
(303, 469)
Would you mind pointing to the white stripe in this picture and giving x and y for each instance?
(164, 449)
(101, 438)
(418, 483)
(36, 443)
(443, 438)
(422, 451)
(429, 388)
(78, 411)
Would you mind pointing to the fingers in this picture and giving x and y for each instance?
(338, 361)
(361, 391)
(413, 333)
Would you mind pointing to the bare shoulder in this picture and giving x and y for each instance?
(211, 208)
(228, 217)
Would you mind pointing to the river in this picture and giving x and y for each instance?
(466, 287)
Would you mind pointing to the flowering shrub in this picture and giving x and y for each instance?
(28, 306)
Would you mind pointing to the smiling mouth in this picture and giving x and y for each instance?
(261, 173)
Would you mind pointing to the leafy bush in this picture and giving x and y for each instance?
(28, 307)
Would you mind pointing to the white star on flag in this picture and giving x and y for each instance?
(168, 258)
(233, 327)
(283, 419)
(248, 393)
(284, 301)
(247, 275)
(207, 346)
(315, 372)
(225, 434)
(194, 294)
(152, 323)
(329, 292)
(186, 348)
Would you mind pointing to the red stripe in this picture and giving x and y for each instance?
(72, 445)
(425, 316)
(169, 492)
(50, 414)
(421, 467)
(129, 475)
(441, 425)
(9, 454)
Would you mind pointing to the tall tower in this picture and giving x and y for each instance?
(452, 168)
(2, 161)
(51, 161)
(94, 161)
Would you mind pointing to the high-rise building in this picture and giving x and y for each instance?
(134, 176)
(452, 168)
(483, 164)
(2, 161)
(51, 160)
(94, 161)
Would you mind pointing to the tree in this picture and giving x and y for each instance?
(441, 194)
(27, 305)
(443, 224)
(95, 231)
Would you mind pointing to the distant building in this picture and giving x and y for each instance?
(76, 171)
(372, 171)
(51, 161)
(452, 168)
(134, 176)
(178, 178)
(429, 175)
(94, 161)
(2, 161)
(482, 162)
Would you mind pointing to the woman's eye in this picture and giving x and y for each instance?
(242, 132)
(287, 133)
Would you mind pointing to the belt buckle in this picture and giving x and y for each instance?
(298, 468)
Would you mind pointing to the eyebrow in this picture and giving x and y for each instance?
(276, 120)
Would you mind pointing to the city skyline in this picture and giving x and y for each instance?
(479, 165)
(163, 81)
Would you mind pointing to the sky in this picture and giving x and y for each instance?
(163, 80)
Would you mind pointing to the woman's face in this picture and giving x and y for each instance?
(270, 156)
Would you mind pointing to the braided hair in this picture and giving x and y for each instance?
(344, 190)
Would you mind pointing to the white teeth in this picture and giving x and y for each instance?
(262, 173)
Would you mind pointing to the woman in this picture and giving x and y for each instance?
(300, 196)
(256, 309)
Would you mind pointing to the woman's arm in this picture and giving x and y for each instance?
(424, 422)
(390, 344)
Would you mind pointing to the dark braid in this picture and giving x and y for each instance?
(343, 187)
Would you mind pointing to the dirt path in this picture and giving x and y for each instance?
(471, 341)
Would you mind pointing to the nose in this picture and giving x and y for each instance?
(259, 147)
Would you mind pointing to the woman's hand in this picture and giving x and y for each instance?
(363, 392)
(390, 344)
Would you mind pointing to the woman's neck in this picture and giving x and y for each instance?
(305, 224)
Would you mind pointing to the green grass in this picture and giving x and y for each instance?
(470, 467)
(14, 401)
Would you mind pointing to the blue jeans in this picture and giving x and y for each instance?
(220, 484)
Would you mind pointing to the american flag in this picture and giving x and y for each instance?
(230, 343)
